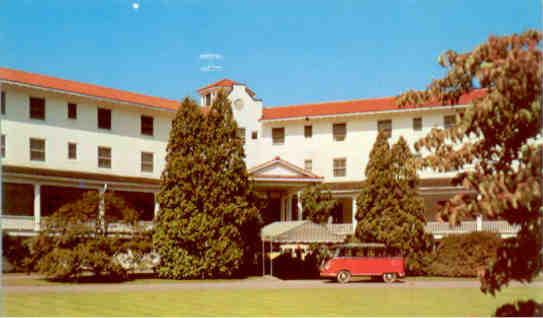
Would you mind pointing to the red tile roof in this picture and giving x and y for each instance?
(346, 107)
(85, 89)
(225, 82)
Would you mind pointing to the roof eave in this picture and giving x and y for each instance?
(340, 115)
(99, 98)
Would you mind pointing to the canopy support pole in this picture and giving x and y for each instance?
(271, 259)
(263, 259)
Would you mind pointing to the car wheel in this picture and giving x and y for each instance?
(389, 277)
(343, 277)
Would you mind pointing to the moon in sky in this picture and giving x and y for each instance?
(135, 6)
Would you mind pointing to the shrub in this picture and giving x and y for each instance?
(76, 239)
(15, 251)
(464, 255)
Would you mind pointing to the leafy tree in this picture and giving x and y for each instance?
(389, 208)
(495, 145)
(78, 238)
(317, 203)
(207, 221)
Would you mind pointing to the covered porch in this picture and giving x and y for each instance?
(281, 184)
(30, 195)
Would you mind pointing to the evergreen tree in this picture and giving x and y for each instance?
(207, 221)
(317, 203)
(376, 198)
(181, 227)
(231, 196)
(389, 208)
(408, 235)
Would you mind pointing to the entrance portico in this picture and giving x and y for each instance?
(282, 182)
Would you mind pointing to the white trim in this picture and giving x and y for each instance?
(312, 180)
(88, 183)
(415, 109)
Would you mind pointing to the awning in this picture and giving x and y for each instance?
(298, 232)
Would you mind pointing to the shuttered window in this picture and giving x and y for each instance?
(104, 157)
(72, 150)
(72, 110)
(308, 165)
(340, 167)
(308, 131)
(449, 121)
(385, 126)
(104, 118)
(278, 135)
(147, 161)
(147, 125)
(417, 124)
(37, 108)
(339, 131)
(37, 149)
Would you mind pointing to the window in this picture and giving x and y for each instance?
(385, 126)
(417, 123)
(254, 135)
(278, 135)
(241, 132)
(449, 121)
(147, 125)
(3, 103)
(72, 150)
(37, 108)
(37, 149)
(104, 157)
(207, 99)
(72, 110)
(104, 118)
(3, 146)
(147, 161)
(308, 131)
(308, 165)
(339, 131)
(340, 167)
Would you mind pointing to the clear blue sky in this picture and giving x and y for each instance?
(288, 52)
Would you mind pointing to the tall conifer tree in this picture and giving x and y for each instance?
(181, 227)
(208, 221)
(389, 208)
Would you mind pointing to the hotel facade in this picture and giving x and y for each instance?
(60, 138)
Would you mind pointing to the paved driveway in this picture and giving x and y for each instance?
(254, 283)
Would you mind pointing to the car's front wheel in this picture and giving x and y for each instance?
(343, 277)
(389, 277)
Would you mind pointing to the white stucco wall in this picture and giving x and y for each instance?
(124, 138)
(127, 143)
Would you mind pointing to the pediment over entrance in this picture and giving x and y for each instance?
(279, 169)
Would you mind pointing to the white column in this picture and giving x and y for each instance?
(479, 223)
(157, 206)
(354, 214)
(282, 217)
(289, 207)
(102, 206)
(300, 207)
(37, 206)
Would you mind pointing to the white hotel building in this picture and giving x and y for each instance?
(60, 138)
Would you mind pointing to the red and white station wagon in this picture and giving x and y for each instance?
(362, 259)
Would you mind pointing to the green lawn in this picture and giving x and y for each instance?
(378, 301)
